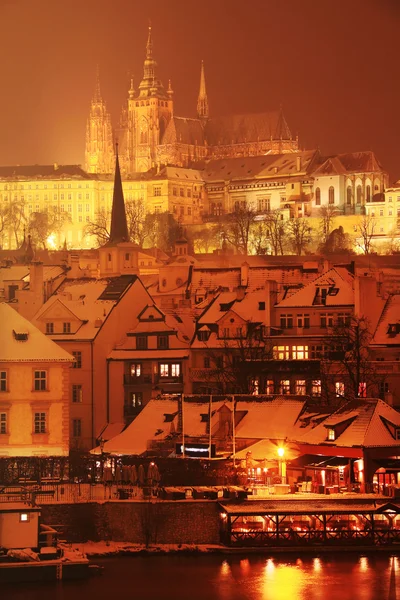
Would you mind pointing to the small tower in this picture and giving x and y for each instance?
(118, 256)
(202, 101)
(99, 153)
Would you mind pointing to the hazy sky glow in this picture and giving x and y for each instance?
(334, 66)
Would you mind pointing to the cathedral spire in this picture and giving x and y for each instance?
(97, 92)
(119, 227)
(149, 45)
(202, 101)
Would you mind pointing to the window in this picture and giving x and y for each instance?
(202, 336)
(326, 320)
(381, 212)
(79, 207)
(358, 194)
(219, 362)
(189, 211)
(301, 387)
(349, 196)
(206, 362)
(339, 389)
(40, 381)
(285, 386)
(157, 191)
(175, 370)
(226, 332)
(303, 321)
(261, 306)
(368, 193)
(162, 342)
(164, 370)
(40, 422)
(174, 191)
(3, 422)
(3, 381)
(344, 319)
(362, 389)
(136, 399)
(127, 256)
(331, 195)
(136, 369)
(316, 387)
(78, 359)
(141, 342)
(281, 352)
(24, 518)
(76, 427)
(66, 327)
(76, 393)
(286, 321)
(331, 435)
(181, 192)
(318, 196)
(269, 387)
(300, 352)
(87, 205)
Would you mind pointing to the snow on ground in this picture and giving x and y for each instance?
(106, 548)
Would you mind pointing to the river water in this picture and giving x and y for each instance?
(217, 577)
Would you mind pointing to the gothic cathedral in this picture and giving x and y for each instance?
(150, 135)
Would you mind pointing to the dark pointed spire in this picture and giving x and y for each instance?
(30, 253)
(119, 227)
(282, 131)
(202, 101)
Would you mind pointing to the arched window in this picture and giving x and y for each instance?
(349, 195)
(359, 194)
(318, 196)
(368, 193)
(331, 195)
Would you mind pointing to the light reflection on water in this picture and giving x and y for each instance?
(214, 577)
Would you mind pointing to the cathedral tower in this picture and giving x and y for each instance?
(99, 153)
(149, 111)
(202, 101)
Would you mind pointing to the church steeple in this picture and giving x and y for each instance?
(119, 228)
(99, 153)
(202, 101)
(150, 84)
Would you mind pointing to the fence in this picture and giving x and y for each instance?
(48, 493)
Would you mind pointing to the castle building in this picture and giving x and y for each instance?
(151, 134)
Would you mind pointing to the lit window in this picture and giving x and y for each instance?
(78, 359)
(339, 388)
(40, 422)
(300, 352)
(76, 393)
(362, 390)
(175, 370)
(164, 370)
(136, 399)
(285, 386)
(281, 352)
(331, 435)
(3, 381)
(316, 387)
(23, 517)
(269, 387)
(136, 369)
(301, 387)
(40, 381)
(66, 327)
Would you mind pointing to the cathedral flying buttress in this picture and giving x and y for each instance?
(150, 135)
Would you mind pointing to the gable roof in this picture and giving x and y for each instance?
(351, 162)
(37, 347)
(184, 131)
(337, 277)
(239, 129)
(387, 331)
(54, 171)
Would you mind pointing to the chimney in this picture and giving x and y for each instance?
(298, 163)
(244, 274)
(56, 166)
(36, 277)
(75, 271)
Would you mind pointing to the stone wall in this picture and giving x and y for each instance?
(160, 521)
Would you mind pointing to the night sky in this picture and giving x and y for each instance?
(335, 67)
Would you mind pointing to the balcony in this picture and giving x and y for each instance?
(158, 380)
(134, 380)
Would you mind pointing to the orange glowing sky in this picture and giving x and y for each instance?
(334, 67)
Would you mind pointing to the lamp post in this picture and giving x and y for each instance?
(281, 463)
(101, 444)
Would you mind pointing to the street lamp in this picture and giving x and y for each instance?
(101, 444)
(281, 463)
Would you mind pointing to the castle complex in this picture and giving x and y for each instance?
(151, 135)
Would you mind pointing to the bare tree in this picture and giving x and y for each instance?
(43, 224)
(275, 230)
(365, 232)
(237, 362)
(205, 239)
(299, 235)
(238, 227)
(347, 359)
(17, 219)
(138, 227)
(327, 216)
(5, 220)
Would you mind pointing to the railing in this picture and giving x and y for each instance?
(67, 492)
(134, 380)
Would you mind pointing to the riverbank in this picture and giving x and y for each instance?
(105, 549)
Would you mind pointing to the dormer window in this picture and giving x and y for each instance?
(20, 336)
(331, 435)
(397, 433)
(49, 328)
(203, 336)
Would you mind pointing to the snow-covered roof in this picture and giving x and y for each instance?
(337, 278)
(128, 354)
(21, 341)
(388, 329)
(267, 449)
(371, 422)
(272, 419)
